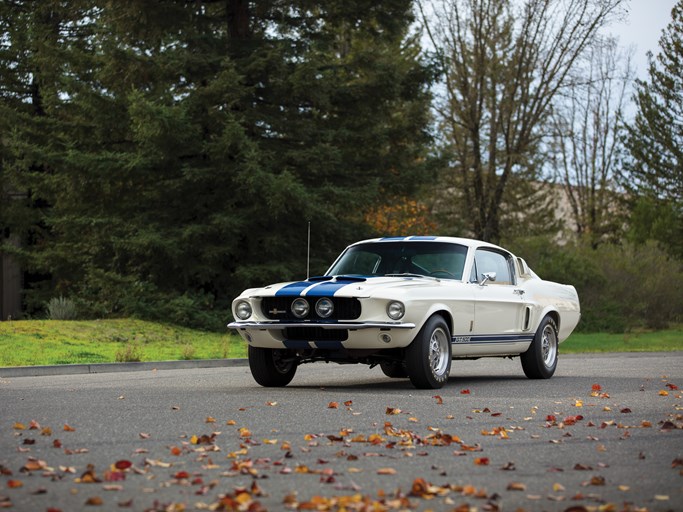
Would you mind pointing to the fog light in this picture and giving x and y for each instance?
(386, 338)
(324, 307)
(300, 308)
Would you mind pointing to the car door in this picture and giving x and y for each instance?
(499, 304)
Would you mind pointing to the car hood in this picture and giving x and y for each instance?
(344, 286)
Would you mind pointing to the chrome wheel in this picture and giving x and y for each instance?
(428, 357)
(439, 356)
(540, 360)
(549, 346)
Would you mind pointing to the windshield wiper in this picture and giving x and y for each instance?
(408, 274)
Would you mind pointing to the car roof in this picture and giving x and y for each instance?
(468, 242)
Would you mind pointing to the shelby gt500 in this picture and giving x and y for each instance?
(410, 305)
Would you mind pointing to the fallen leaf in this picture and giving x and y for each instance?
(597, 480)
(439, 400)
(209, 419)
(663, 392)
(516, 486)
(88, 477)
(672, 387)
(123, 464)
(464, 391)
(333, 405)
(68, 428)
(386, 471)
(14, 484)
(19, 426)
(482, 461)
(597, 387)
(95, 501)
(393, 411)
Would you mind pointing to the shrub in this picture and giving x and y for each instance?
(61, 308)
(130, 353)
(621, 287)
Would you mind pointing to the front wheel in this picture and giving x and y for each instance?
(540, 360)
(271, 367)
(393, 369)
(428, 357)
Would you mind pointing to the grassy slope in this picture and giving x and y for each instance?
(637, 341)
(40, 342)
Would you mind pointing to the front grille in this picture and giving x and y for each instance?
(279, 308)
(315, 334)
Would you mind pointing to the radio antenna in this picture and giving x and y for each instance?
(308, 256)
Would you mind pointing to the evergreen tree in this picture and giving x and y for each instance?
(174, 152)
(654, 175)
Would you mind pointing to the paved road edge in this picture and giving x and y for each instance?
(74, 369)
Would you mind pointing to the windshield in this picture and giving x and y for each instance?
(435, 259)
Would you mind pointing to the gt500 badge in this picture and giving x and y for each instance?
(462, 339)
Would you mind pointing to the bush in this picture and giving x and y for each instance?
(61, 308)
(621, 287)
(130, 353)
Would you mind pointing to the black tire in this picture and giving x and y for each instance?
(269, 367)
(428, 357)
(540, 360)
(394, 369)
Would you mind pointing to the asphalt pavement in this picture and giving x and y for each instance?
(605, 433)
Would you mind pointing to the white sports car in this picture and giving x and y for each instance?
(409, 305)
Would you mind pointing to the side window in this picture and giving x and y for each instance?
(492, 261)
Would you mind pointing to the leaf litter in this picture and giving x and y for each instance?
(236, 458)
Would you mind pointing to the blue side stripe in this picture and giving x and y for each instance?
(492, 338)
(393, 238)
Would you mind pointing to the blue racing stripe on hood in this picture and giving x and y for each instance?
(293, 289)
(329, 288)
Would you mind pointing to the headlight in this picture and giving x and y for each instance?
(243, 310)
(396, 310)
(324, 307)
(300, 308)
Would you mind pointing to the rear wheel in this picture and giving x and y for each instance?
(540, 360)
(271, 367)
(428, 357)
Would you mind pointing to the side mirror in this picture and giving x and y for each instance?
(487, 276)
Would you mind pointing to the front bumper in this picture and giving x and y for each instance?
(349, 335)
(321, 325)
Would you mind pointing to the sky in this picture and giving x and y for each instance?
(642, 28)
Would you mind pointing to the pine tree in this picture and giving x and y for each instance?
(175, 151)
(654, 175)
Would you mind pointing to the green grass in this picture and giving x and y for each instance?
(44, 342)
(636, 341)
